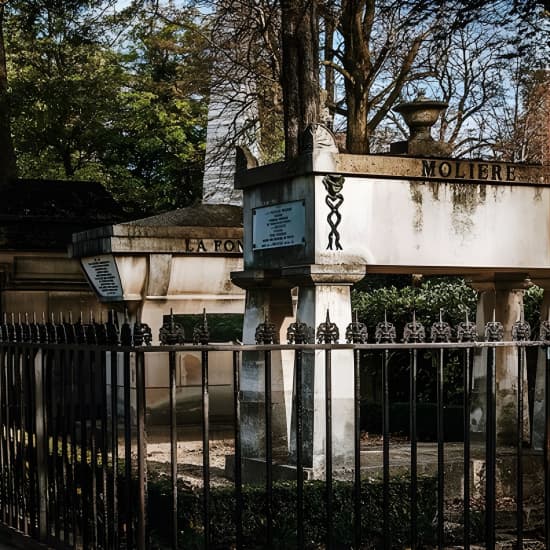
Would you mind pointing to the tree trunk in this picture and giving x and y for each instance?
(300, 70)
(8, 167)
(356, 21)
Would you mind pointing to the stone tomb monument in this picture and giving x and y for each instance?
(324, 220)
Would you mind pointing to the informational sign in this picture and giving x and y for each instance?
(278, 225)
(103, 274)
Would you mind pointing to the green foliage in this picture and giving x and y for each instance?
(118, 99)
(284, 513)
(452, 295)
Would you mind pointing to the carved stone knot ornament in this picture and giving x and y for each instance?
(334, 199)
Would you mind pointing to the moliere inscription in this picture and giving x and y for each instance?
(468, 170)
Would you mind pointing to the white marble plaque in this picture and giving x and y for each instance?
(278, 225)
(103, 274)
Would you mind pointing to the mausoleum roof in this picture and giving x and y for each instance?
(200, 215)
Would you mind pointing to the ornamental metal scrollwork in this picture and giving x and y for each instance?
(356, 332)
(334, 184)
(466, 332)
(544, 333)
(171, 333)
(300, 333)
(201, 332)
(441, 331)
(385, 332)
(494, 331)
(327, 332)
(414, 331)
(266, 333)
(521, 331)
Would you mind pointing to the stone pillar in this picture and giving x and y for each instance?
(539, 401)
(504, 300)
(321, 290)
(263, 300)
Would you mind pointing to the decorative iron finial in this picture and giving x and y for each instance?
(266, 332)
(4, 329)
(126, 330)
(414, 332)
(356, 332)
(466, 331)
(385, 332)
(25, 329)
(521, 329)
(327, 332)
(171, 333)
(142, 334)
(18, 329)
(111, 329)
(544, 331)
(201, 332)
(300, 333)
(441, 330)
(494, 331)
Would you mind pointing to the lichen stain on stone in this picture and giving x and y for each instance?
(434, 186)
(465, 200)
(415, 189)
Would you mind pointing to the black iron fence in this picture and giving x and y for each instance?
(74, 450)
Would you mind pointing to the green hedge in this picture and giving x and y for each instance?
(284, 514)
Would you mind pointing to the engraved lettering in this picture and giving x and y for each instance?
(459, 174)
(483, 171)
(511, 173)
(445, 169)
(188, 247)
(428, 168)
(229, 246)
(201, 247)
(496, 172)
(217, 245)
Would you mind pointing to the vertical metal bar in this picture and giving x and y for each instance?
(114, 524)
(386, 451)
(3, 438)
(414, 448)
(90, 367)
(546, 351)
(19, 438)
(238, 464)
(82, 381)
(54, 430)
(141, 451)
(328, 448)
(42, 445)
(173, 448)
(490, 451)
(104, 444)
(357, 447)
(519, 452)
(299, 449)
(205, 448)
(466, 404)
(72, 367)
(440, 454)
(128, 452)
(65, 428)
(268, 449)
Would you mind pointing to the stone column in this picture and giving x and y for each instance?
(322, 289)
(539, 401)
(504, 301)
(263, 300)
